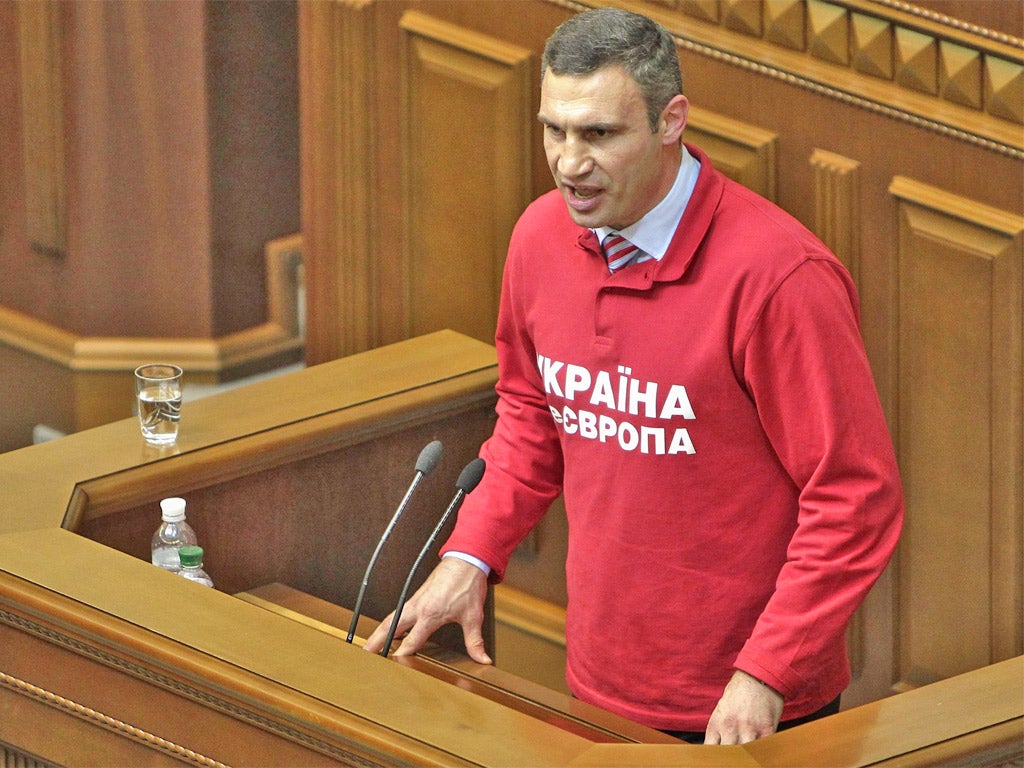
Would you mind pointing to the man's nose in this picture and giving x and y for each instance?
(575, 160)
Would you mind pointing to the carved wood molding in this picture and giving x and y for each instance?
(941, 18)
(890, 58)
(13, 758)
(126, 730)
(1002, 223)
(837, 207)
(280, 337)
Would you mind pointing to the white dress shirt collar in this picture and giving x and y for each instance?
(654, 232)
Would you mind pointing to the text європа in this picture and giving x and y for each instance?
(624, 394)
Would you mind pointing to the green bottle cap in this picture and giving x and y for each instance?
(191, 555)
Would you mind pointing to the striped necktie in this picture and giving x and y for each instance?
(619, 252)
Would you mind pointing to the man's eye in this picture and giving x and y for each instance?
(599, 133)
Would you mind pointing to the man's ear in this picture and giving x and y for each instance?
(673, 119)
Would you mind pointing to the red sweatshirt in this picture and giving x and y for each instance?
(711, 419)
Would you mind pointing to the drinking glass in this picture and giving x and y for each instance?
(158, 388)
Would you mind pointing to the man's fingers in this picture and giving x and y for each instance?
(416, 639)
(375, 642)
(731, 737)
(475, 645)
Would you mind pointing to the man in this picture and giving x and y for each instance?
(699, 393)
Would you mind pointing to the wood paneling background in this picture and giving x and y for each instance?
(893, 130)
(148, 154)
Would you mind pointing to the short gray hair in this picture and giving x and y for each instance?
(588, 41)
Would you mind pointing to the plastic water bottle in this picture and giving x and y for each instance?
(173, 534)
(192, 565)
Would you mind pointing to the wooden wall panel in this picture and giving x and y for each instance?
(42, 103)
(960, 298)
(466, 118)
(745, 153)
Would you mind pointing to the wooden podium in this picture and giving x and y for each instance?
(106, 660)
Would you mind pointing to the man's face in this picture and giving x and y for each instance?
(609, 166)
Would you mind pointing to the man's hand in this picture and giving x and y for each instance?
(748, 710)
(454, 592)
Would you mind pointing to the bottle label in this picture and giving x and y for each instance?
(167, 557)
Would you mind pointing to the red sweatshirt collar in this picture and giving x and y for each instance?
(685, 244)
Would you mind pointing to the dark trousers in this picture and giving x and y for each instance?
(697, 737)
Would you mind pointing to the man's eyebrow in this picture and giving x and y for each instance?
(583, 128)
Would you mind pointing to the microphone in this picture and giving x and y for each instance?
(425, 464)
(469, 478)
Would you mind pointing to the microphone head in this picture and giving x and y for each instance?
(429, 457)
(470, 476)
